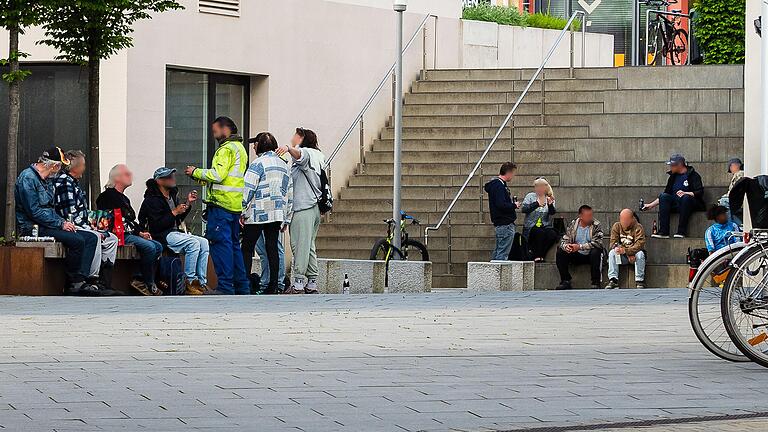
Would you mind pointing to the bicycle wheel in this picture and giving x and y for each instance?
(421, 253)
(744, 305)
(654, 43)
(679, 47)
(383, 251)
(704, 304)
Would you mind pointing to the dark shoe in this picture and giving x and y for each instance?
(141, 287)
(640, 284)
(612, 284)
(214, 292)
(564, 285)
(596, 286)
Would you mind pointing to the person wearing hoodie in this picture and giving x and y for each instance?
(683, 194)
(502, 210)
(225, 181)
(720, 233)
(736, 170)
(581, 244)
(161, 215)
(627, 247)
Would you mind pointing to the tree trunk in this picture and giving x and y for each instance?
(13, 135)
(93, 128)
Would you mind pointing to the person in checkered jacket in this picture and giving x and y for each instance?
(71, 203)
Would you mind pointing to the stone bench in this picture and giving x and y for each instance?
(409, 277)
(365, 276)
(500, 276)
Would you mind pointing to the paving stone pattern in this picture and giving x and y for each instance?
(435, 362)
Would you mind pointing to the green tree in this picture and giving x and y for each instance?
(15, 15)
(719, 28)
(88, 31)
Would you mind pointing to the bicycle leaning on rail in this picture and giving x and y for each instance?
(665, 38)
(704, 302)
(384, 250)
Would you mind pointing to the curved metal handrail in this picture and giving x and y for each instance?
(509, 116)
(376, 92)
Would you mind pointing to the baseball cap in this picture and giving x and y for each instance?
(54, 154)
(163, 172)
(676, 159)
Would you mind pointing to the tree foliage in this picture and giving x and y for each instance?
(719, 29)
(96, 29)
(15, 15)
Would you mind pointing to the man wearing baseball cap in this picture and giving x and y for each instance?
(683, 194)
(161, 215)
(34, 192)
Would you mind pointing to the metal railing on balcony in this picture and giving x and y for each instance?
(567, 29)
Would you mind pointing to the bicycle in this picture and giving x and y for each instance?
(704, 302)
(384, 250)
(744, 302)
(665, 38)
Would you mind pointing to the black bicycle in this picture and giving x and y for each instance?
(665, 38)
(384, 250)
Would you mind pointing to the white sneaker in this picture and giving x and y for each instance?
(311, 287)
(679, 236)
(659, 236)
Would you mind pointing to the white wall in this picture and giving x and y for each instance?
(752, 94)
(322, 60)
(489, 45)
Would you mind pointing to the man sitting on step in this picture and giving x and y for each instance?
(581, 244)
(627, 247)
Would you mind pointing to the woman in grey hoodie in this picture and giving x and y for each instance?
(538, 207)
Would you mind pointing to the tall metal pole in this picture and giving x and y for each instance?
(635, 42)
(399, 9)
(764, 89)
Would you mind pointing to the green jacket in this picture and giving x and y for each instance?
(225, 179)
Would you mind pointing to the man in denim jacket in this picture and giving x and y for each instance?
(34, 194)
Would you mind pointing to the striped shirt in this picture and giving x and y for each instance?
(268, 194)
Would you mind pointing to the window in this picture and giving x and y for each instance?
(220, 7)
(192, 101)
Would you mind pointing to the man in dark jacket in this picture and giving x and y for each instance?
(34, 193)
(684, 194)
(581, 244)
(114, 198)
(502, 211)
(161, 215)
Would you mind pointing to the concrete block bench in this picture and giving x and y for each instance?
(365, 276)
(409, 277)
(500, 276)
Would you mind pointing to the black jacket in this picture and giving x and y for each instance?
(155, 214)
(695, 185)
(756, 190)
(500, 203)
(112, 199)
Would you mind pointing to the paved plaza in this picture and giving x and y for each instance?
(438, 362)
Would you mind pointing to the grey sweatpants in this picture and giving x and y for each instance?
(106, 250)
(304, 226)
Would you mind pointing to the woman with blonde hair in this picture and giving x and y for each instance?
(538, 207)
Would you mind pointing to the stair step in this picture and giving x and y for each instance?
(449, 86)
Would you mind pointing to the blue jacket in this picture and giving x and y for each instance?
(719, 236)
(34, 202)
(499, 202)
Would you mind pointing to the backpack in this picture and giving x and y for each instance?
(325, 196)
(519, 250)
(171, 273)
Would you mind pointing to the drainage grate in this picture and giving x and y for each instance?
(642, 423)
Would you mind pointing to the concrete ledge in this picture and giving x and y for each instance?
(409, 277)
(365, 276)
(500, 276)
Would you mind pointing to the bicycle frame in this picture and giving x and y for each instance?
(403, 239)
(659, 13)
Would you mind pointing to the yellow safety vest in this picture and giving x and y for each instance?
(225, 179)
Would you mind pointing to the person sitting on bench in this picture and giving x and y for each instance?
(581, 244)
(34, 194)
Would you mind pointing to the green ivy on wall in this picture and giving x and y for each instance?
(719, 28)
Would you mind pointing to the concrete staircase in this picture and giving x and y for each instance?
(606, 135)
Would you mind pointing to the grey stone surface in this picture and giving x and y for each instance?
(500, 276)
(365, 277)
(409, 277)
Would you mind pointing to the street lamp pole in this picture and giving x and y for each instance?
(400, 6)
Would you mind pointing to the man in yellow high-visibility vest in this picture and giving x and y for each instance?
(225, 183)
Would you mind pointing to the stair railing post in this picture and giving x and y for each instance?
(570, 68)
(434, 63)
(424, 53)
(480, 189)
(450, 246)
(361, 170)
(543, 97)
(394, 91)
(330, 183)
(512, 141)
(584, 41)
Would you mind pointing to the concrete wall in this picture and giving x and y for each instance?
(490, 45)
(313, 64)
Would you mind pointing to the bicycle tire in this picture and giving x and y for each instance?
(380, 249)
(420, 246)
(712, 334)
(654, 42)
(678, 50)
(730, 315)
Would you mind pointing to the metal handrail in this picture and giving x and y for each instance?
(512, 112)
(376, 92)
